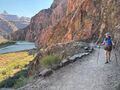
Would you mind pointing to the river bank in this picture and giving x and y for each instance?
(14, 58)
(11, 64)
(6, 43)
(16, 46)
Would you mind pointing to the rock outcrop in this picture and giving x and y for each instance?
(43, 20)
(67, 52)
(6, 27)
(11, 23)
(69, 20)
(66, 49)
(19, 22)
(117, 38)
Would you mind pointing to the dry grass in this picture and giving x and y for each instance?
(11, 63)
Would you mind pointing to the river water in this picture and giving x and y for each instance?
(19, 46)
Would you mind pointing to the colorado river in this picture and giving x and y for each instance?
(19, 46)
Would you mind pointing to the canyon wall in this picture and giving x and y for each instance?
(69, 20)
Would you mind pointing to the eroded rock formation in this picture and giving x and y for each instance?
(69, 20)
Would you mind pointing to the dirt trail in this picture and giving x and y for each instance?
(84, 74)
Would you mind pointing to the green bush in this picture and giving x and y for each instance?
(7, 83)
(16, 81)
(20, 82)
(50, 60)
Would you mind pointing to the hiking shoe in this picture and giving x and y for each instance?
(106, 62)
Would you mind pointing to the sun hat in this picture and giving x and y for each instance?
(108, 34)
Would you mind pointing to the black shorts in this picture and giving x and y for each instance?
(108, 48)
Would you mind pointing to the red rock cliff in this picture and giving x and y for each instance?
(44, 19)
(69, 20)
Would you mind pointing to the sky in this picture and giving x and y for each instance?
(24, 7)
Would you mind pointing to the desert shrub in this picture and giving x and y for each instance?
(23, 73)
(3, 72)
(50, 60)
(7, 83)
(16, 81)
(20, 82)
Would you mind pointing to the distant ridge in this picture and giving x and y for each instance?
(10, 23)
(20, 22)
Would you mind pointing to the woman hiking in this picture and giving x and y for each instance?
(108, 43)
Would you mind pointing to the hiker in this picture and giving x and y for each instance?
(108, 43)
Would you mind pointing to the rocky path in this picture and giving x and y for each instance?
(84, 74)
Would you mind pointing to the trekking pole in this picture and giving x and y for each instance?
(98, 54)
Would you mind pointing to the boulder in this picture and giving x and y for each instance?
(46, 72)
(64, 62)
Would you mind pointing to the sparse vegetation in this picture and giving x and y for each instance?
(50, 60)
(13, 72)
(20, 82)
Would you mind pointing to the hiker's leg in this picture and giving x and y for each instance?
(109, 55)
(110, 50)
(106, 55)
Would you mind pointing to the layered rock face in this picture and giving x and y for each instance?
(44, 19)
(11, 23)
(6, 27)
(117, 38)
(19, 22)
(69, 20)
(84, 20)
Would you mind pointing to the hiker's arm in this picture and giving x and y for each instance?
(113, 43)
(103, 43)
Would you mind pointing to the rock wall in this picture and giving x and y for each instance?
(117, 38)
(6, 28)
(74, 20)
(44, 19)
(84, 20)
